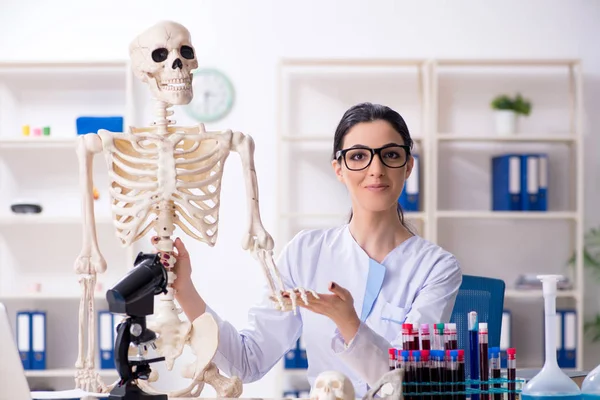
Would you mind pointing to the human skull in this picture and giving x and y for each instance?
(163, 57)
(389, 386)
(332, 385)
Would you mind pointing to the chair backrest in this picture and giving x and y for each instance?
(486, 297)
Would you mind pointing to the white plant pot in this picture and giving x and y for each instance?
(506, 122)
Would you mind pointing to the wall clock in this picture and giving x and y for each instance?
(213, 95)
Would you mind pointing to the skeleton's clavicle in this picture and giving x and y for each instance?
(184, 138)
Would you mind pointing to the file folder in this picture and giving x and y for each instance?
(291, 358)
(569, 352)
(38, 341)
(529, 182)
(410, 197)
(24, 338)
(559, 336)
(106, 339)
(542, 204)
(301, 360)
(506, 182)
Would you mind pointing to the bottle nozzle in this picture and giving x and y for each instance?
(549, 283)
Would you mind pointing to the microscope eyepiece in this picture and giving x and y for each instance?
(134, 294)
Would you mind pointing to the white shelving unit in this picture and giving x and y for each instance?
(462, 143)
(446, 104)
(38, 251)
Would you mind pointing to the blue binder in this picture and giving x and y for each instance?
(301, 359)
(24, 337)
(542, 204)
(529, 182)
(567, 357)
(90, 124)
(291, 357)
(38, 341)
(410, 197)
(506, 182)
(106, 339)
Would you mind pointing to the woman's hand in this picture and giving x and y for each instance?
(339, 307)
(182, 267)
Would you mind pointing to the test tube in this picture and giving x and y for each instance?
(450, 339)
(484, 367)
(425, 337)
(474, 352)
(426, 374)
(392, 358)
(415, 331)
(442, 374)
(438, 337)
(408, 374)
(407, 339)
(511, 372)
(495, 371)
(418, 388)
(462, 388)
(453, 373)
(434, 373)
(447, 375)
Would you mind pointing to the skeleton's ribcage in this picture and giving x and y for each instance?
(154, 179)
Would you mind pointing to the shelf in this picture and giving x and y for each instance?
(322, 138)
(35, 219)
(507, 62)
(551, 215)
(518, 138)
(66, 373)
(49, 296)
(38, 142)
(534, 294)
(352, 62)
(296, 372)
(407, 215)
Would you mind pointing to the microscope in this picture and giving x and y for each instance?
(133, 297)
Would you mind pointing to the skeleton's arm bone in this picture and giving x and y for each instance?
(87, 147)
(244, 146)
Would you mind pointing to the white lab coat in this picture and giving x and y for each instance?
(417, 282)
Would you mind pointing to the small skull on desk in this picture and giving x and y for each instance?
(332, 385)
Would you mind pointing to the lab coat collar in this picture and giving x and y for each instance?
(374, 279)
(374, 283)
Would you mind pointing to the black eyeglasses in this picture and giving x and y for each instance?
(359, 158)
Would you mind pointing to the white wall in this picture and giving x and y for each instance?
(246, 39)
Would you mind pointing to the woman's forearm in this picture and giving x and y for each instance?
(191, 302)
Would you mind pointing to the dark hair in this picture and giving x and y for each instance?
(368, 112)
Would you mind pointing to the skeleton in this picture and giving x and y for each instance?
(332, 385)
(163, 177)
(390, 385)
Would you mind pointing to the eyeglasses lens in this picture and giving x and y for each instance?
(393, 157)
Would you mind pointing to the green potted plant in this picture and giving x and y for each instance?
(506, 110)
(591, 261)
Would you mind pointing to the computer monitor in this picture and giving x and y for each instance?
(13, 383)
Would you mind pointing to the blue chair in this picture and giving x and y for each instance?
(486, 297)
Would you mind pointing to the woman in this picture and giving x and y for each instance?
(371, 274)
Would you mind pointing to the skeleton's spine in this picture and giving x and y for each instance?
(163, 111)
(164, 228)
